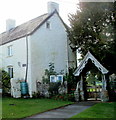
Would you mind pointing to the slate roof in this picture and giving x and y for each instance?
(24, 29)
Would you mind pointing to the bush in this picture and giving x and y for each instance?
(36, 95)
(64, 97)
(53, 88)
(113, 90)
(71, 80)
(112, 86)
(5, 81)
(48, 72)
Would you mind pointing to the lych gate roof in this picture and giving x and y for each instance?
(94, 61)
(24, 29)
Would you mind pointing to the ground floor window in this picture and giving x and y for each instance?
(10, 71)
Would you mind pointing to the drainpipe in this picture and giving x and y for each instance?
(26, 59)
(67, 52)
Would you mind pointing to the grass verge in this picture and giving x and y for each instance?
(100, 110)
(20, 108)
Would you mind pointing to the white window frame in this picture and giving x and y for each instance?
(59, 80)
(52, 78)
(9, 50)
(10, 71)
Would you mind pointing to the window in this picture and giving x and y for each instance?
(52, 78)
(10, 71)
(60, 78)
(56, 78)
(10, 50)
(48, 24)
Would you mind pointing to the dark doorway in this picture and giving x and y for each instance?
(94, 88)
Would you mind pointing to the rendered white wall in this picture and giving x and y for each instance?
(1, 59)
(45, 46)
(48, 45)
(19, 56)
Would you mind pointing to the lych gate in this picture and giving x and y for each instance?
(81, 88)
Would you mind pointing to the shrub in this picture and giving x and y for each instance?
(5, 81)
(36, 95)
(48, 72)
(71, 80)
(113, 90)
(112, 85)
(64, 97)
(53, 88)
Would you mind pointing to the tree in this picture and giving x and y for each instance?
(93, 28)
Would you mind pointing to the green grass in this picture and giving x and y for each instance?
(100, 110)
(27, 107)
(0, 107)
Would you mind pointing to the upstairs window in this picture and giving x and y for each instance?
(10, 71)
(48, 25)
(10, 50)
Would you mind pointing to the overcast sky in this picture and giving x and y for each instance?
(24, 10)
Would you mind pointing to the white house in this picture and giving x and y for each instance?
(27, 50)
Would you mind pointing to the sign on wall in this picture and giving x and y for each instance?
(56, 78)
(59, 78)
(52, 78)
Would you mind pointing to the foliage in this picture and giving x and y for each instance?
(93, 28)
(36, 95)
(113, 89)
(48, 72)
(64, 97)
(100, 110)
(71, 80)
(5, 80)
(53, 88)
(93, 77)
(20, 108)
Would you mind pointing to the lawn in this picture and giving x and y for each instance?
(0, 107)
(100, 110)
(20, 108)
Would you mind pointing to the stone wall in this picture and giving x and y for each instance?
(43, 89)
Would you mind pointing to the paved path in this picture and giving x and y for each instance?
(64, 112)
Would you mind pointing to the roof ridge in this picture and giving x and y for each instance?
(23, 29)
(26, 28)
(24, 23)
